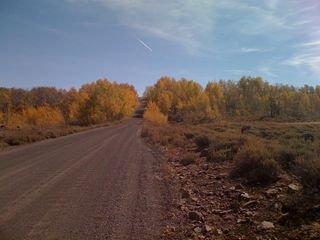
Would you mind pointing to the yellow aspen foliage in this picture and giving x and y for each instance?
(37, 116)
(17, 119)
(214, 91)
(165, 102)
(106, 101)
(43, 116)
(93, 103)
(154, 115)
(182, 100)
(70, 106)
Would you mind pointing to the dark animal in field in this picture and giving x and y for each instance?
(308, 137)
(245, 129)
(18, 127)
(3, 126)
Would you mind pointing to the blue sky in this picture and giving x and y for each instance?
(67, 43)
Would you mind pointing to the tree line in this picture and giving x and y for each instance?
(250, 97)
(93, 103)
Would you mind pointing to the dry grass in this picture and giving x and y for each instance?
(163, 135)
(20, 136)
(14, 137)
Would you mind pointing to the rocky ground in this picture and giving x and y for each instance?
(211, 205)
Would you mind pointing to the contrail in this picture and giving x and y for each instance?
(144, 44)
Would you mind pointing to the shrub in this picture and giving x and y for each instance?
(306, 232)
(164, 140)
(232, 145)
(13, 141)
(189, 135)
(309, 172)
(223, 149)
(154, 115)
(220, 129)
(52, 135)
(3, 145)
(220, 156)
(285, 157)
(178, 141)
(202, 142)
(255, 165)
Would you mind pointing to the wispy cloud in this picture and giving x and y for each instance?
(294, 12)
(311, 60)
(192, 24)
(187, 23)
(271, 3)
(40, 26)
(87, 24)
(310, 44)
(196, 25)
(255, 19)
(144, 44)
(303, 22)
(267, 72)
(237, 71)
(250, 50)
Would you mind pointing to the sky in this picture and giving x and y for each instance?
(66, 43)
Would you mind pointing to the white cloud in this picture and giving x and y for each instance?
(255, 19)
(185, 22)
(237, 71)
(271, 3)
(306, 55)
(310, 44)
(294, 12)
(266, 71)
(191, 23)
(194, 24)
(250, 50)
(311, 60)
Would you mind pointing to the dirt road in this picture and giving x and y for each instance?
(99, 184)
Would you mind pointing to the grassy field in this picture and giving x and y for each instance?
(261, 156)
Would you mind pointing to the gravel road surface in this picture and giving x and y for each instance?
(98, 184)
